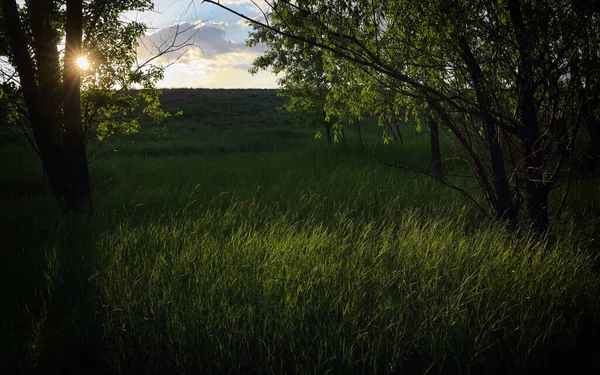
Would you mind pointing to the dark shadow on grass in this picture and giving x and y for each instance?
(51, 309)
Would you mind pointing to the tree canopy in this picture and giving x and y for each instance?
(68, 73)
(513, 81)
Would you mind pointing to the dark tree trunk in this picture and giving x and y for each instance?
(536, 190)
(358, 133)
(392, 132)
(506, 210)
(537, 206)
(54, 161)
(502, 201)
(589, 102)
(591, 158)
(481, 174)
(74, 140)
(62, 153)
(398, 131)
(329, 136)
(434, 141)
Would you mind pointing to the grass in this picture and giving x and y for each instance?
(249, 247)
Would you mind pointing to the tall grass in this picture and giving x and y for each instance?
(285, 257)
(245, 289)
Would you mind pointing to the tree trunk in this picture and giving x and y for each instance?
(398, 131)
(74, 140)
(328, 127)
(358, 133)
(591, 158)
(328, 132)
(434, 141)
(589, 103)
(63, 155)
(392, 132)
(478, 168)
(505, 207)
(502, 200)
(537, 206)
(54, 161)
(536, 190)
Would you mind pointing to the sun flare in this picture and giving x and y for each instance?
(82, 63)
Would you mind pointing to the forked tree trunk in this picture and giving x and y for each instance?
(62, 153)
(505, 209)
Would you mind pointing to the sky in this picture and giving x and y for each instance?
(219, 57)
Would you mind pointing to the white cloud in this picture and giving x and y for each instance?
(260, 3)
(254, 6)
(210, 60)
(243, 23)
(247, 24)
(209, 37)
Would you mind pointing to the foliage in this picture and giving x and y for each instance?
(302, 78)
(111, 85)
(114, 72)
(53, 114)
(332, 95)
(499, 75)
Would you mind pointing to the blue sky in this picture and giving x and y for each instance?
(222, 61)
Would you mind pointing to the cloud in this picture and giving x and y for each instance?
(261, 3)
(254, 6)
(208, 58)
(247, 24)
(243, 23)
(209, 38)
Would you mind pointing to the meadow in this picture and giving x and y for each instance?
(233, 241)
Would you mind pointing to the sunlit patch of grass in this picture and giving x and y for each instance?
(241, 289)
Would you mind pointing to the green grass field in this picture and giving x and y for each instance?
(237, 243)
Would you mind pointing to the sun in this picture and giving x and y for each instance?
(82, 63)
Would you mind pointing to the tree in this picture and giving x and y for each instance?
(42, 84)
(497, 75)
(583, 62)
(309, 87)
(304, 81)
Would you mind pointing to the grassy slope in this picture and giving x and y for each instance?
(239, 243)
